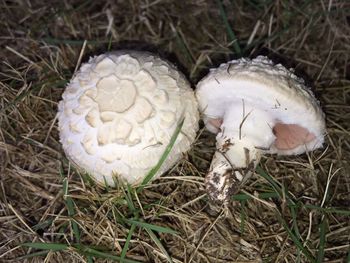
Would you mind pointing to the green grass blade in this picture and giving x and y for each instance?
(167, 150)
(156, 228)
(275, 186)
(291, 203)
(267, 195)
(71, 210)
(293, 210)
(99, 254)
(181, 43)
(106, 185)
(32, 255)
(43, 225)
(129, 199)
(117, 215)
(159, 244)
(89, 259)
(268, 178)
(127, 241)
(70, 206)
(230, 33)
(245, 197)
(243, 216)
(110, 43)
(295, 220)
(46, 246)
(80, 7)
(295, 239)
(88, 179)
(329, 210)
(321, 246)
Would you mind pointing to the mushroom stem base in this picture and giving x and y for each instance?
(233, 163)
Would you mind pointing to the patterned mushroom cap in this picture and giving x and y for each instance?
(118, 114)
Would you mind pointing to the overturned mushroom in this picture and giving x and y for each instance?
(119, 112)
(255, 107)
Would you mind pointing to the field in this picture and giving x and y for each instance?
(294, 209)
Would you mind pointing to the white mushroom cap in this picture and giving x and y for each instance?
(260, 84)
(119, 112)
(255, 107)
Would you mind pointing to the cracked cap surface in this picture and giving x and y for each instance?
(119, 112)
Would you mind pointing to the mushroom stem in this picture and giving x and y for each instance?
(245, 133)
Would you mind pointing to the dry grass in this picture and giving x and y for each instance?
(304, 218)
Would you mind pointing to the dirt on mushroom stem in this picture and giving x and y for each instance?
(243, 129)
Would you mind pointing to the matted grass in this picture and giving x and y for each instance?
(294, 209)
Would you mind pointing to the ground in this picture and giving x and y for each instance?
(294, 209)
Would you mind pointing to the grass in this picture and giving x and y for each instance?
(229, 30)
(87, 251)
(70, 209)
(294, 209)
(129, 195)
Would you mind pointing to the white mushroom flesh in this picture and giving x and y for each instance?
(255, 107)
(119, 112)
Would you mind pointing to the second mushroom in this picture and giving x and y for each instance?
(255, 107)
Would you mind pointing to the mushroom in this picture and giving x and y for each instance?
(255, 107)
(119, 112)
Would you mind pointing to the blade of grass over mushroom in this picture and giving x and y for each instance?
(230, 33)
(159, 244)
(167, 150)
